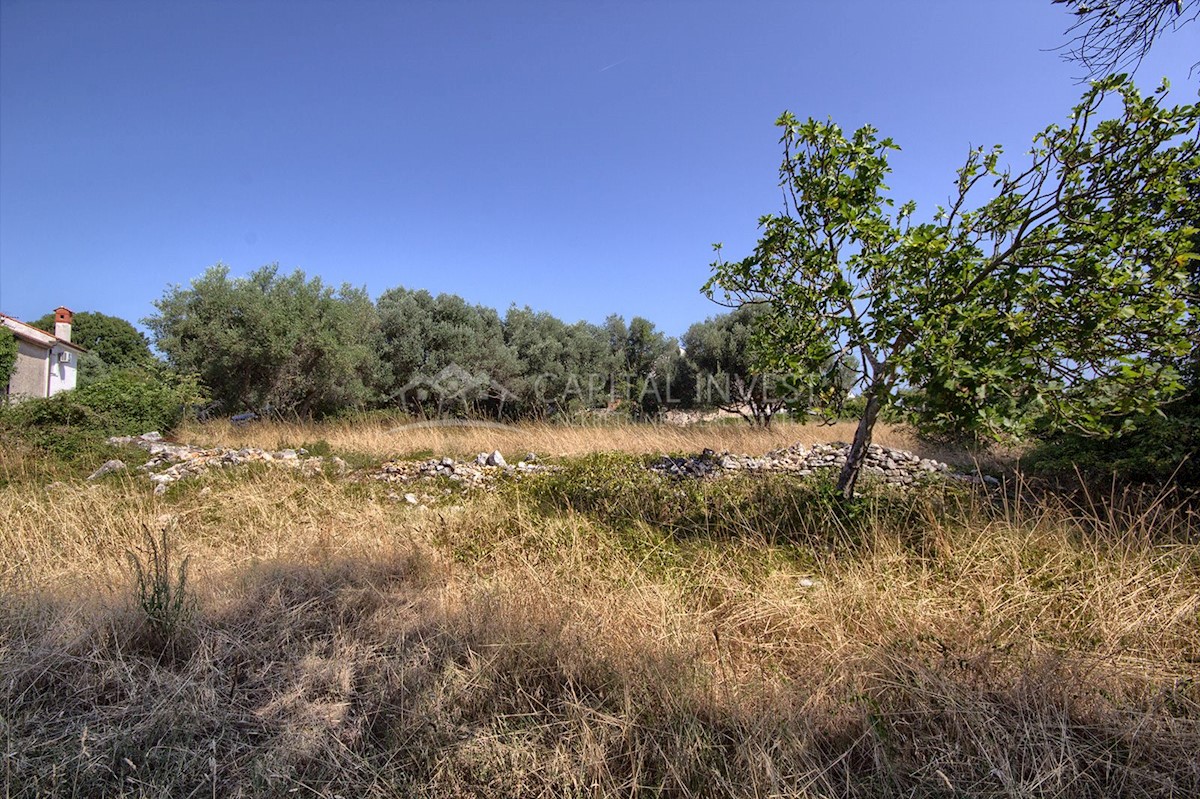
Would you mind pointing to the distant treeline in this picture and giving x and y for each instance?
(290, 344)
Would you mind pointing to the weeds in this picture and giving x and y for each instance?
(161, 585)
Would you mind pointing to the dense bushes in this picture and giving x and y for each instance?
(72, 425)
(1158, 449)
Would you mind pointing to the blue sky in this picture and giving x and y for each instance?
(577, 157)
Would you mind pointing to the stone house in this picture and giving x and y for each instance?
(47, 363)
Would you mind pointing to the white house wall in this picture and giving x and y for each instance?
(62, 375)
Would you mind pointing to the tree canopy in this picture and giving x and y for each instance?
(444, 353)
(275, 342)
(114, 340)
(729, 375)
(112, 343)
(1061, 296)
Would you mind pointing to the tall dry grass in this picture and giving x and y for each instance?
(391, 439)
(342, 643)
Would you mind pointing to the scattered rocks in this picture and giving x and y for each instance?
(170, 463)
(702, 465)
(108, 468)
(893, 466)
(484, 468)
(493, 458)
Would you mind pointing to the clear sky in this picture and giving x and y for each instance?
(577, 157)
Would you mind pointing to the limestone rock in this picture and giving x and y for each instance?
(896, 467)
(108, 468)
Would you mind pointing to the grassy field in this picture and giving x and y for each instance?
(600, 631)
(381, 439)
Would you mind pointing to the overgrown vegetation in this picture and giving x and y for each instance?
(73, 425)
(603, 630)
(599, 631)
(1158, 449)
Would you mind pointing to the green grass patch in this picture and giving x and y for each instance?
(776, 508)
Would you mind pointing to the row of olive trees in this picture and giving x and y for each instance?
(442, 353)
(293, 345)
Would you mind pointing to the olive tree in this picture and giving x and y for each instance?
(721, 347)
(563, 367)
(287, 343)
(445, 353)
(1061, 295)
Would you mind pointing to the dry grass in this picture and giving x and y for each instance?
(382, 439)
(344, 644)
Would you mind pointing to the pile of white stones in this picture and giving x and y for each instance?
(894, 466)
(486, 467)
(170, 463)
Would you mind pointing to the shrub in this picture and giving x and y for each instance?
(1157, 450)
(160, 588)
(133, 402)
(72, 425)
(59, 426)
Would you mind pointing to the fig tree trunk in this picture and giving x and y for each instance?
(858, 449)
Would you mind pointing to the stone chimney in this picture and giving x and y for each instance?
(62, 323)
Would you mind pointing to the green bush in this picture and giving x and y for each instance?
(59, 426)
(8, 354)
(133, 402)
(72, 425)
(1157, 450)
